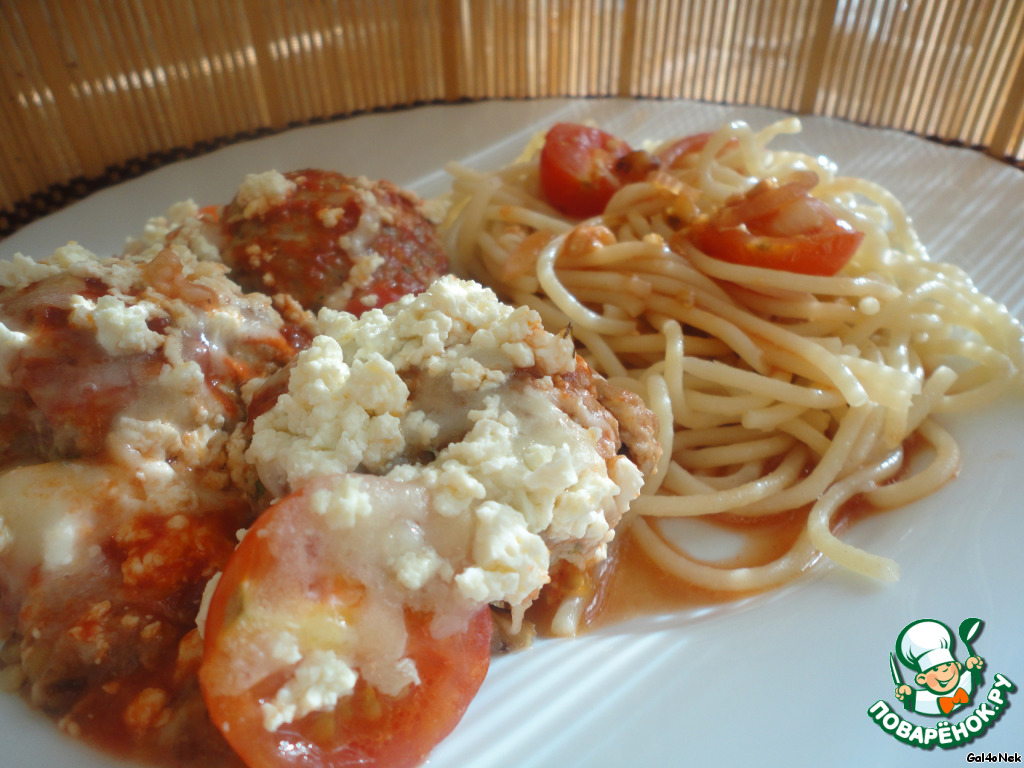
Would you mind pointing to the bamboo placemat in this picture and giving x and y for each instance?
(95, 91)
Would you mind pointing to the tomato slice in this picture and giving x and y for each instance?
(578, 168)
(780, 227)
(283, 575)
(671, 154)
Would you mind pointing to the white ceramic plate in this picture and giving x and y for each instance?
(784, 679)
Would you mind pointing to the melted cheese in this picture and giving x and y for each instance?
(428, 435)
(50, 515)
(165, 450)
(448, 398)
(435, 373)
(11, 343)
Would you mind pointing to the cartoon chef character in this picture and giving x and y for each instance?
(926, 646)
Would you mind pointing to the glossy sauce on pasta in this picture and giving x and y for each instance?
(629, 585)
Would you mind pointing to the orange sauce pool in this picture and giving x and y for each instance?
(629, 584)
(640, 587)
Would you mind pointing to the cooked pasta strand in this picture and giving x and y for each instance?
(776, 390)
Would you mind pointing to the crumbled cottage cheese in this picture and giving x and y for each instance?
(11, 343)
(121, 329)
(451, 395)
(260, 192)
(370, 392)
(320, 679)
(428, 439)
(153, 319)
(182, 223)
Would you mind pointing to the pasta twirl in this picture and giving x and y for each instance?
(776, 390)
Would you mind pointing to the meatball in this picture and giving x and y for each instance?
(330, 240)
(499, 420)
(87, 343)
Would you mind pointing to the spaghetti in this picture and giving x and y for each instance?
(775, 390)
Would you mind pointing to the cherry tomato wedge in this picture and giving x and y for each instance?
(284, 577)
(682, 147)
(780, 227)
(578, 168)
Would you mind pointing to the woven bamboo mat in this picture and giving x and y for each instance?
(95, 91)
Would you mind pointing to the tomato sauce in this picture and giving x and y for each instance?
(639, 587)
(317, 243)
(629, 584)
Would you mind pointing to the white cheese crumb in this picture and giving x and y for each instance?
(67, 257)
(334, 418)
(343, 503)
(511, 469)
(415, 568)
(419, 428)
(23, 270)
(510, 561)
(11, 343)
(120, 328)
(318, 682)
(330, 217)
(470, 374)
(365, 262)
(260, 192)
(181, 223)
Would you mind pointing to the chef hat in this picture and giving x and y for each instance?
(925, 644)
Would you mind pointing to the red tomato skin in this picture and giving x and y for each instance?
(748, 231)
(577, 168)
(684, 146)
(817, 254)
(366, 729)
(451, 672)
(403, 734)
